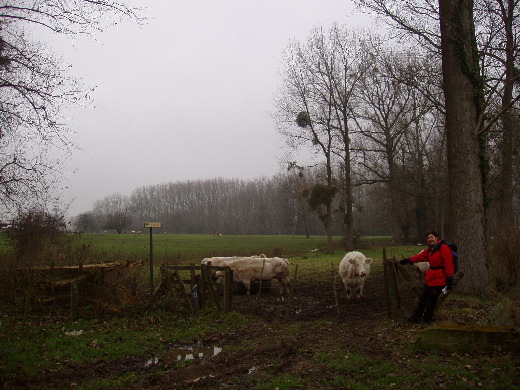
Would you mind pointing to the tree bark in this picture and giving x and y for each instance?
(463, 95)
(506, 209)
(349, 204)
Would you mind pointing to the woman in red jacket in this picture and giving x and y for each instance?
(438, 276)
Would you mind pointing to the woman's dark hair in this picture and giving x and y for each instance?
(432, 232)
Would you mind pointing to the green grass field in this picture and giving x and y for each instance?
(192, 248)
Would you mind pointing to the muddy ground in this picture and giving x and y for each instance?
(275, 339)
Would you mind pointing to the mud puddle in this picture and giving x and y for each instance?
(181, 353)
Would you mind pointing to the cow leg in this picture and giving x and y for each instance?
(284, 290)
(347, 287)
(288, 287)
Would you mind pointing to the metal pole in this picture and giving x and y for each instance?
(151, 270)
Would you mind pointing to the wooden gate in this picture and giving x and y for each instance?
(405, 277)
(174, 279)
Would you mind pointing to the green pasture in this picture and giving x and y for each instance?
(192, 248)
(308, 253)
(186, 248)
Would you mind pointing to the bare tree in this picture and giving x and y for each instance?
(345, 69)
(423, 146)
(390, 108)
(467, 118)
(34, 89)
(499, 42)
(416, 20)
(463, 93)
(320, 87)
(306, 114)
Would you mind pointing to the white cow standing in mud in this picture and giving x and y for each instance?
(354, 269)
(247, 270)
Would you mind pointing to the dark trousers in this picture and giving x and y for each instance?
(427, 302)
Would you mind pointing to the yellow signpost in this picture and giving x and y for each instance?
(152, 224)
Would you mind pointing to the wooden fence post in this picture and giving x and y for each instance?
(204, 289)
(395, 298)
(393, 301)
(291, 289)
(182, 288)
(206, 275)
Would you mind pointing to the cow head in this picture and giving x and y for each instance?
(361, 266)
(220, 276)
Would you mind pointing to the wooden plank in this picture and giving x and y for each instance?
(395, 281)
(204, 290)
(88, 267)
(61, 283)
(192, 274)
(209, 284)
(404, 270)
(184, 294)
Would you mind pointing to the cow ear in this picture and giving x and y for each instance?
(368, 261)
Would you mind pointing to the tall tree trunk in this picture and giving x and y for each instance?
(420, 210)
(328, 217)
(463, 94)
(395, 197)
(349, 216)
(506, 205)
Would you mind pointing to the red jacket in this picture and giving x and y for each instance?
(440, 258)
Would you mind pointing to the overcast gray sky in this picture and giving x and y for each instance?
(187, 96)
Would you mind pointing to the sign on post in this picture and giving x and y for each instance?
(151, 225)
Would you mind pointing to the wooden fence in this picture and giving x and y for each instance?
(200, 290)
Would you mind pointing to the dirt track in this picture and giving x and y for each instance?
(275, 339)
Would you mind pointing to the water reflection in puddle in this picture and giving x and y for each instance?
(189, 353)
(178, 354)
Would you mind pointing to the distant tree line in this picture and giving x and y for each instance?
(277, 205)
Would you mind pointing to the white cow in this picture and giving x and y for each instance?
(353, 269)
(219, 261)
(216, 261)
(247, 269)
